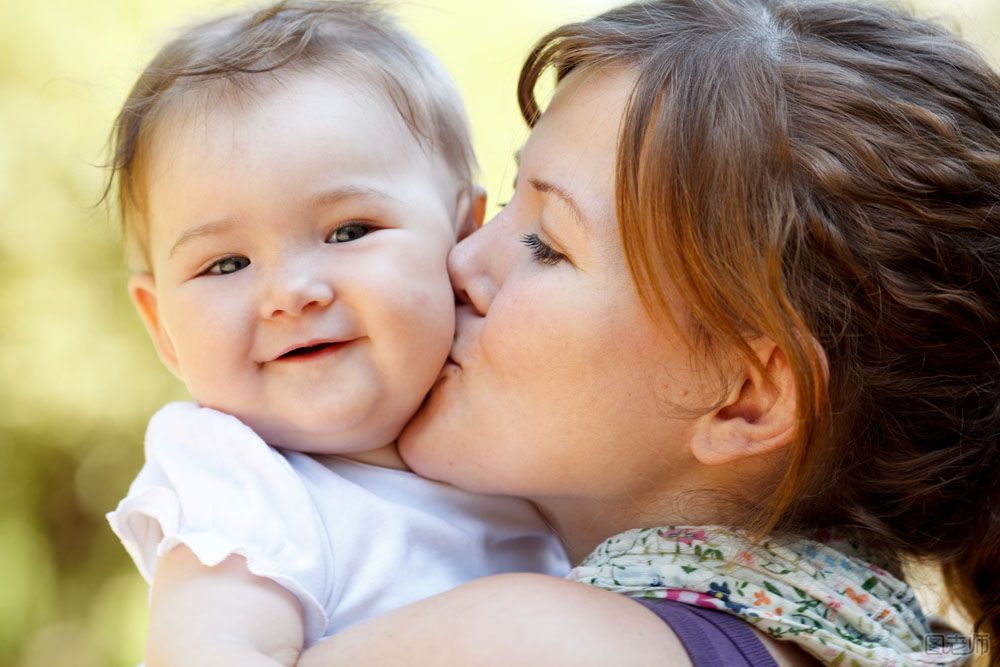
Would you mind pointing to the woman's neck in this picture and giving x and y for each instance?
(582, 524)
(578, 540)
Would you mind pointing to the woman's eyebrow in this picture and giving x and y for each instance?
(565, 197)
(553, 189)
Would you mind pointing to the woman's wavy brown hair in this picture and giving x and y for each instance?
(828, 172)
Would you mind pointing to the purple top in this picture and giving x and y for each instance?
(711, 638)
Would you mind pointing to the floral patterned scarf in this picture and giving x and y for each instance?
(819, 593)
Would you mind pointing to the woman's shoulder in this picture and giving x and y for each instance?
(505, 620)
(627, 627)
(786, 654)
(573, 620)
(513, 619)
(716, 637)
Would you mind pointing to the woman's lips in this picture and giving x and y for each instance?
(451, 367)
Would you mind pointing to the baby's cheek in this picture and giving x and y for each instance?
(420, 318)
(212, 339)
(434, 314)
(431, 297)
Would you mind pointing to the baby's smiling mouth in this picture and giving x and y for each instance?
(311, 350)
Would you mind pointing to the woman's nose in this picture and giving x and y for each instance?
(293, 292)
(477, 265)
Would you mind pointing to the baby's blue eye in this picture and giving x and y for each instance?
(230, 264)
(349, 232)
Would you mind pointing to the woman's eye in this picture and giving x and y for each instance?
(227, 265)
(542, 251)
(349, 232)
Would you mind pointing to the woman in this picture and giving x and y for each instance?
(750, 278)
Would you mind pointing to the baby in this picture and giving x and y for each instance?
(291, 181)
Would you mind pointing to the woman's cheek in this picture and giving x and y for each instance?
(513, 338)
(533, 340)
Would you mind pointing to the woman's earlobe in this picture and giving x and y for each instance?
(758, 416)
(142, 292)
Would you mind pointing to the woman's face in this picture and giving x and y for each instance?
(561, 386)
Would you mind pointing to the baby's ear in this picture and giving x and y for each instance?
(470, 211)
(142, 291)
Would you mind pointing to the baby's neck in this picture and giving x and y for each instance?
(384, 457)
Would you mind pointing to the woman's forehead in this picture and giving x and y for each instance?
(574, 145)
(591, 100)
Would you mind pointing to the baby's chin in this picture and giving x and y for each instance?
(316, 427)
(385, 455)
(350, 441)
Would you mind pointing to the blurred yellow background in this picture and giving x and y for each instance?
(78, 378)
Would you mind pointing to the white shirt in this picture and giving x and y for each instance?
(349, 540)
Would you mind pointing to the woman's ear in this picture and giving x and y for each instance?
(758, 416)
(470, 210)
(142, 291)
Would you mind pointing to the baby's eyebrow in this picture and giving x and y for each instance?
(207, 229)
(330, 197)
(325, 198)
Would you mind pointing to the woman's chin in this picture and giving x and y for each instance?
(421, 440)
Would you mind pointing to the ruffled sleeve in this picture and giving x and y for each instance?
(211, 483)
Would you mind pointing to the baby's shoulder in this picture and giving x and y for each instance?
(187, 434)
(186, 419)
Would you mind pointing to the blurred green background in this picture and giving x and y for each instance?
(78, 378)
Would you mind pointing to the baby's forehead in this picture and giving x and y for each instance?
(367, 118)
(313, 146)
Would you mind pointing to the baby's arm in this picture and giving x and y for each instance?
(219, 616)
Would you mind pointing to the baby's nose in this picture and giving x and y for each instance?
(293, 293)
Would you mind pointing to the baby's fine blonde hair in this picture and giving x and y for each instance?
(236, 54)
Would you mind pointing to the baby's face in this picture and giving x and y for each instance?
(299, 241)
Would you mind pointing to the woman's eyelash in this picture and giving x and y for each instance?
(540, 250)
